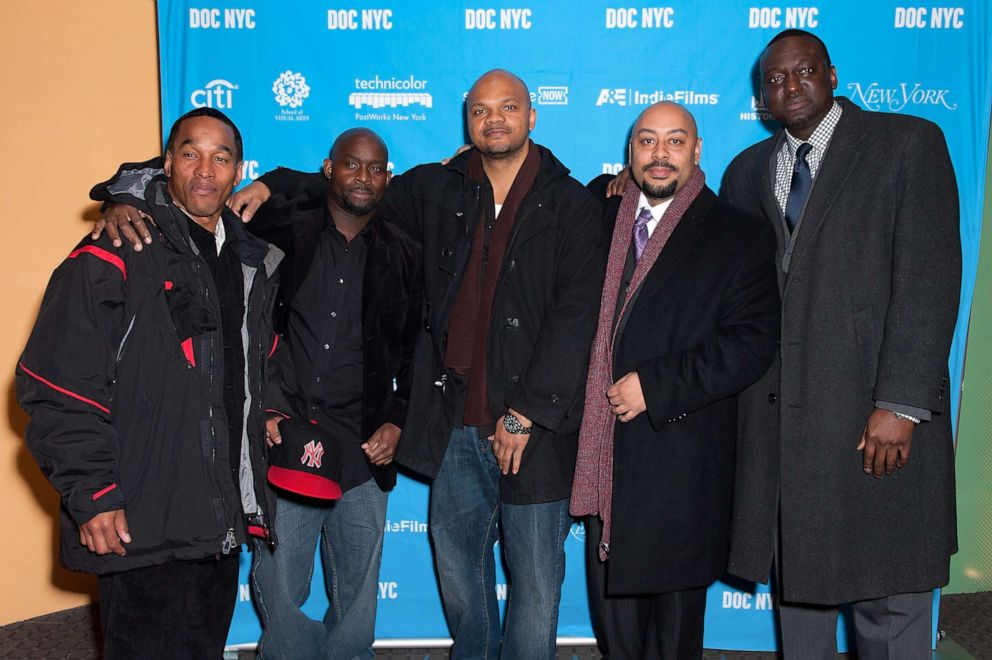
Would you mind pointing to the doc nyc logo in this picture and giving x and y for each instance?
(217, 94)
(290, 90)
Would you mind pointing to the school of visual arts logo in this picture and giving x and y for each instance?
(291, 89)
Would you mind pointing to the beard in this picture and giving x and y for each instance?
(358, 209)
(659, 192)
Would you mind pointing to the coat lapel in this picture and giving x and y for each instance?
(678, 246)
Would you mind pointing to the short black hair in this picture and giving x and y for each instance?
(785, 34)
(213, 114)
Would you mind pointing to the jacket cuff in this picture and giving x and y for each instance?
(86, 502)
(394, 412)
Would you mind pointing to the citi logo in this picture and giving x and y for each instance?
(612, 96)
(552, 95)
(217, 94)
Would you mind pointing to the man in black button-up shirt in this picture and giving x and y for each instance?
(348, 314)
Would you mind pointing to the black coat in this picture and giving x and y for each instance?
(543, 317)
(391, 310)
(869, 304)
(543, 320)
(123, 416)
(702, 327)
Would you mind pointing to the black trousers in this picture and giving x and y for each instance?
(180, 609)
(667, 626)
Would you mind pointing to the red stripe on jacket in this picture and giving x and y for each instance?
(103, 491)
(78, 397)
(100, 253)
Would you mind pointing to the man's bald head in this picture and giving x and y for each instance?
(664, 150)
(503, 78)
(499, 115)
(355, 133)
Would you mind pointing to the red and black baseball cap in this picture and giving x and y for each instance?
(307, 461)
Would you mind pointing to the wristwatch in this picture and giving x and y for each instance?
(513, 425)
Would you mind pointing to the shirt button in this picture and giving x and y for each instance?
(326, 346)
(334, 315)
(317, 379)
(341, 281)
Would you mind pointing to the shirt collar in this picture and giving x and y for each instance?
(656, 211)
(821, 135)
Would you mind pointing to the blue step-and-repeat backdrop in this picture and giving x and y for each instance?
(293, 75)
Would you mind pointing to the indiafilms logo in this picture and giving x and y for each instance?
(875, 97)
(290, 90)
(390, 94)
(625, 97)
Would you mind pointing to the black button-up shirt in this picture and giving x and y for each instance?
(324, 340)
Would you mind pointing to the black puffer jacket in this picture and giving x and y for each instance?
(123, 379)
(543, 319)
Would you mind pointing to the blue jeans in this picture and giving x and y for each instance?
(465, 506)
(350, 532)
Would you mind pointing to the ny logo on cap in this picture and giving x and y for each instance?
(312, 453)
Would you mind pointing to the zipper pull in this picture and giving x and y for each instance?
(229, 542)
(442, 382)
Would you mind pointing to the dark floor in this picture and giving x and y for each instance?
(965, 623)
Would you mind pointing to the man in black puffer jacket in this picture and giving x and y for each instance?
(143, 379)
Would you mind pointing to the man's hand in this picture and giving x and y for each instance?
(626, 397)
(464, 147)
(509, 447)
(246, 201)
(619, 182)
(272, 434)
(381, 447)
(885, 442)
(105, 532)
(123, 220)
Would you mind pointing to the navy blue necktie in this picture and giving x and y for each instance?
(802, 181)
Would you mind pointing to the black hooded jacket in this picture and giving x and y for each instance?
(123, 379)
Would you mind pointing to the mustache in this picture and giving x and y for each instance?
(660, 163)
(360, 188)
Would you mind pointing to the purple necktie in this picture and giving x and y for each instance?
(641, 232)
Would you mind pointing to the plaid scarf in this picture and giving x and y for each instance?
(592, 488)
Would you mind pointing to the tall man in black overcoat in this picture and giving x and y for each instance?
(689, 317)
(846, 455)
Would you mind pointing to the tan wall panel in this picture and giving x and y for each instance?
(80, 94)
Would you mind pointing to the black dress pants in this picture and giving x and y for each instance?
(667, 626)
(180, 609)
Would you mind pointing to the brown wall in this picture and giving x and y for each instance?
(80, 94)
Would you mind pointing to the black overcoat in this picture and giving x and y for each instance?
(702, 327)
(869, 302)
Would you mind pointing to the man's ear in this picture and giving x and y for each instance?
(328, 168)
(533, 118)
(237, 174)
(389, 177)
(697, 151)
(168, 164)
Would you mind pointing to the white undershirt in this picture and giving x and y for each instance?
(656, 211)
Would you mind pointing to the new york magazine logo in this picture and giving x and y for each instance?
(290, 90)
(875, 96)
(391, 99)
